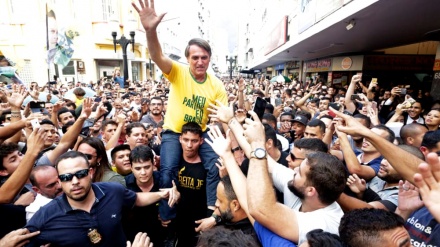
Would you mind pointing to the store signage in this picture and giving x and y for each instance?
(319, 65)
(277, 37)
(346, 63)
(436, 65)
(399, 62)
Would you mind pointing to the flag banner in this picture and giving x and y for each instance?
(59, 41)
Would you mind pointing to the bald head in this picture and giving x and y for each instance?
(412, 134)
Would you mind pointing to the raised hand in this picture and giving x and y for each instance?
(222, 171)
(147, 14)
(18, 95)
(219, 144)
(87, 108)
(408, 199)
(220, 111)
(356, 184)
(428, 182)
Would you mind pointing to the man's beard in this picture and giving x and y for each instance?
(226, 215)
(295, 191)
(391, 179)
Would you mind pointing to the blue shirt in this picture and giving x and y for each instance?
(61, 225)
(268, 238)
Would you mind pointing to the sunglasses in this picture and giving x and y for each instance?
(69, 176)
(293, 158)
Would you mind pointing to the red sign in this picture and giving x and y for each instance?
(277, 37)
(436, 65)
(319, 65)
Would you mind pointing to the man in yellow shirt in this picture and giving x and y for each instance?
(192, 89)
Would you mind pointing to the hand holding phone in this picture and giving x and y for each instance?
(35, 123)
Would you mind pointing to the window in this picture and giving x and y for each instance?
(69, 69)
(110, 10)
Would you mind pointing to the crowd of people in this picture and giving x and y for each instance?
(186, 161)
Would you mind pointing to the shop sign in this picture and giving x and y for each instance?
(319, 65)
(277, 37)
(293, 64)
(436, 65)
(346, 63)
(80, 66)
(399, 62)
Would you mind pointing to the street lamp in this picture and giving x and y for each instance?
(124, 43)
(232, 62)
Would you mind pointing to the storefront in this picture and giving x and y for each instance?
(317, 69)
(293, 69)
(343, 68)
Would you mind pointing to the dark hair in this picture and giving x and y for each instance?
(108, 122)
(71, 155)
(288, 92)
(304, 113)
(430, 139)
(131, 126)
(270, 118)
(104, 164)
(317, 123)
(229, 190)
(286, 114)
(319, 238)
(391, 136)
(119, 148)
(365, 118)
(270, 133)
(79, 91)
(365, 227)
(72, 105)
(156, 98)
(141, 153)
(5, 150)
(62, 111)
(220, 236)
(327, 174)
(311, 144)
(192, 127)
(46, 121)
(200, 43)
(269, 108)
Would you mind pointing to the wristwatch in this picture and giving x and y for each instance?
(217, 218)
(259, 153)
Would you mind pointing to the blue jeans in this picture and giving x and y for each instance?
(170, 157)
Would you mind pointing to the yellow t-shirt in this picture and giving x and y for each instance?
(188, 100)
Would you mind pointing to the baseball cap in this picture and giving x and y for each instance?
(300, 119)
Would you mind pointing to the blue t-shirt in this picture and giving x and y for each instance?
(61, 225)
(423, 229)
(375, 163)
(268, 238)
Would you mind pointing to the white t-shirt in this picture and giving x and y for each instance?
(327, 218)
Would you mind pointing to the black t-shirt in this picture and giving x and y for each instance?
(192, 205)
(143, 219)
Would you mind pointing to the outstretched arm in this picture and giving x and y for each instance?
(150, 20)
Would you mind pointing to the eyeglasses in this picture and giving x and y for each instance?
(293, 158)
(69, 176)
(89, 156)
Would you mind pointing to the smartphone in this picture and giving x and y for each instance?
(98, 99)
(374, 80)
(355, 97)
(331, 114)
(374, 105)
(403, 91)
(37, 107)
(259, 107)
(85, 130)
(35, 123)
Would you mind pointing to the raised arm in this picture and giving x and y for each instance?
(69, 139)
(222, 147)
(349, 104)
(260, 194)
(403, 162)
(150, 20)
(17, 180)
